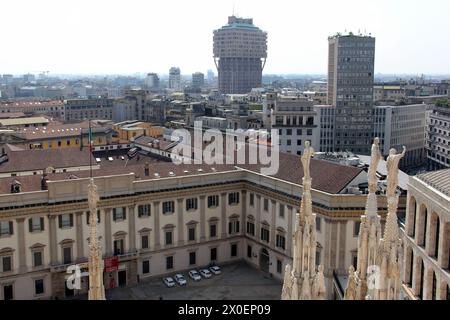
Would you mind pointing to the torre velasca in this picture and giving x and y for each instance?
(240, 52)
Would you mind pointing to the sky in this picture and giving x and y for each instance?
(139, 36)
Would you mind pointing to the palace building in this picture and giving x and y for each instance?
(157, 218)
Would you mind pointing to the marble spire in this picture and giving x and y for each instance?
(96, 287)
(301, 280)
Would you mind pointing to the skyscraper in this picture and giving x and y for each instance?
(240, 52)
(175, 78)
(198, 80)
(152, 81)
(350, 88)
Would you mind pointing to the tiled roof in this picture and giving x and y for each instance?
(29, 160)
(440, 180)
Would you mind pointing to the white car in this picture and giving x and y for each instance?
(179, 278)
(215, 270)
(195, 275)
(169, 282)
(205, 273)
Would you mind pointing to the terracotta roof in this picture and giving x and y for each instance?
(326, 176)
(31, 104)
(56, 130)
(29, 160)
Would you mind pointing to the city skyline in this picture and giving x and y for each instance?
(72, 38)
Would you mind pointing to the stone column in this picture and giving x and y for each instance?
(79, 235)
(157, 227)
(273, 223)
(244, 211)
(416, 275)
(341, 246)
(202, 218)
(443, 253)
(290, 222)
(132, 227)
(258, 217)
(52, 240)
(108, 235)
(180, 220)
(223, 214)
(21, 244)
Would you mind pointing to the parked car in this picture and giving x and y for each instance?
(179, 278)
(169, 282)
(194, 275)
(215, 270)
(205, 273)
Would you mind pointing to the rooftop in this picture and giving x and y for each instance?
(439, 180)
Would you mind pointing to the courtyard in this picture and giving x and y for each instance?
(238, 281)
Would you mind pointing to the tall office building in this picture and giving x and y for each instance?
(198, 80)
(240, 52)
(350, 88)
(152, 81)
(175, 78)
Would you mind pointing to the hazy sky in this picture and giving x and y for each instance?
(127, 36)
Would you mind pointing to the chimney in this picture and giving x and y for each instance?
(44, 181)
(146, 169)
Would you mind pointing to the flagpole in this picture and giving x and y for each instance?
(90, 149)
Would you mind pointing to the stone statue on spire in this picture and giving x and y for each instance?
(95, 264)
(302, 281)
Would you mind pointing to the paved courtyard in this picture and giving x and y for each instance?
(237, 282)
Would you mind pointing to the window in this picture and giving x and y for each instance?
(144, 242)
(249, 251)
(289, 132)
(266, 204)
(213, 201)
(279, 266)
(67, 255)
(146, 266)
(38, 286)
(36, 224)
(356, 228)
(192, 258)
(144, 210)
(6, 228)
(37, 258)
(119, 214)
(168, 237)
(281, 241)
(118, 247)
(233, 198)
(88, 217)
(233, 227)
(281, 211)
(169, 262)
(212, 230)
(299, 142)
(299, 131)
(6, 263)
(318, 223)
(168, 207)
(191, 233)
(213, 254)
(191, 204)
(234, 250)
(264, 234)
(288, 142)
(250, 228)
(65, 220)
(309, 132)
(252, 199)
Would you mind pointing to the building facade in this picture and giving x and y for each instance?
(82, 109)
(350, 88)
(427, 237)
(324, 119)
(240, 50)
(438, 136)
(399, 126)
(175, 79)
(198, 80)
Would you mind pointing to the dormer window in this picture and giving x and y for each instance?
(16, 187)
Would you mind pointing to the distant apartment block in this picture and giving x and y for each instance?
(53, 108)
(399, 126)
(438, 136)
(240, 51)
(175, 79)
(198, 80)
(293, 117)
(152, 81)
(324, 119)
(81, 109)
(350, 89)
